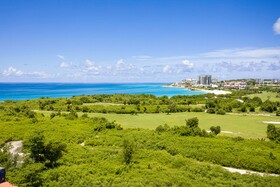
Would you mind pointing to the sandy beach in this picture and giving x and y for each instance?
(217, 92)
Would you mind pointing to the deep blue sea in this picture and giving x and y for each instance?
(22, 91)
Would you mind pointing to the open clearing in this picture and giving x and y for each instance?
(266, 95)
(104, 104)
(247, 126)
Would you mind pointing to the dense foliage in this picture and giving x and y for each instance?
(133, 104)
(66, 149)
(273, 133)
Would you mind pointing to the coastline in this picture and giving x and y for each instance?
(28, 91)
(215, 92)
(186, 88)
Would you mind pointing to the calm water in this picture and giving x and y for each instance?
(20, 91)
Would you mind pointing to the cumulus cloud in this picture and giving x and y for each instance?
(184, 66)
(167, 69)
(120, 64)
(90, 66)
(65, 65)
(88, 62)
(276, 26)
(11, 71)
(187, 63)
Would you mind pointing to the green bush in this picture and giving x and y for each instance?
(215, 130)
(128, 150)
(221, 112)
(211, 111)
(278, 112)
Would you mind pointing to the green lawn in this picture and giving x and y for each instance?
(244, 125)
(265, 95)
(248, 126)
(104, 104)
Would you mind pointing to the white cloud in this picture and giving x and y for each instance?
(187, 63)
(167, 69)
(120, 65)
(60, 57)
(65, 65)
(120, 62)
(38, 74)
(11, 71)
(242, 53)
(89, 62)
(276, 26)
(90, 66)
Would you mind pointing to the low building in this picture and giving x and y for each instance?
(235, 85)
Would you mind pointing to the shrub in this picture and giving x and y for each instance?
(128, 150)
(211, 110)
(162, 128)
(221, 112)
(197, 109)
(252, 109)
(72, 115)
(273, 133)
(52, 115)
(243, 109)
(215, 130)
(278, 112)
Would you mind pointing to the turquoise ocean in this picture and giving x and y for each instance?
(22, 91)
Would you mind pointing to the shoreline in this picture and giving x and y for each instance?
(18, 92)
(215, 92)
(186, 88)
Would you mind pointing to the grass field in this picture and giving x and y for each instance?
(244, 125)
(104, 104)
(248, 126)
(265, 95)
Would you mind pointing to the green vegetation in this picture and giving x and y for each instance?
(66, 146)
(272, 96)
(273, 133)
(244, 125)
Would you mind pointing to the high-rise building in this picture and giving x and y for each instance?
(204, 79)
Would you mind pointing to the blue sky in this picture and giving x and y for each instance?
(139, 40)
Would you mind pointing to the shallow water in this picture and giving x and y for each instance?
(21, 91)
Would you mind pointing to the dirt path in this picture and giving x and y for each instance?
(16, 147)
(272, 122)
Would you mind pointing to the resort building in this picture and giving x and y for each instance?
(204, 79)
(235, 85)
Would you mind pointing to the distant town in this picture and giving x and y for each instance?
(209, 82)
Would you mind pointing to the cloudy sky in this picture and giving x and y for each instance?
(138, 41)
